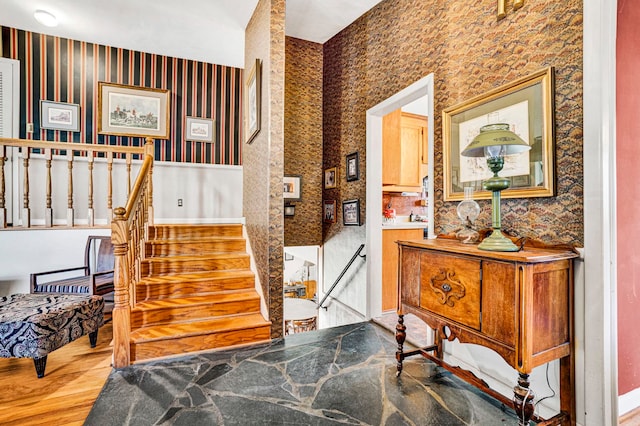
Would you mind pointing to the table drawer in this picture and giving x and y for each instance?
(450, 286)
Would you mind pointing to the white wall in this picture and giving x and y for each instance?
(23, 252)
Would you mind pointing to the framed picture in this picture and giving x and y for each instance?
(527, 105)
(289, 210)
(351, 212)
(329, 211)
(199, 129)
(292, 190)
(253, 94)
(331, 178)
(133, 111)
(353, 167)
(59, 116)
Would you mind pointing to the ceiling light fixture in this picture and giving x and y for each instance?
(45, 18)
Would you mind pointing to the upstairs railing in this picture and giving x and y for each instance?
(129, 231)
(48, 153)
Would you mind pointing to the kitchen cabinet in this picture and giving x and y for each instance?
(404, 150)
(519, 304)
(390, 263)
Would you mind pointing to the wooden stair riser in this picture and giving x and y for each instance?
(160, 266)
(169, 232)
(173, 289)
(145, 318)
(141, 351)
(191, 247)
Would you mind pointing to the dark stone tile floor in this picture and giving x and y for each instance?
(341, 375)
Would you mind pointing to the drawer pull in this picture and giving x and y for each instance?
(447, 287)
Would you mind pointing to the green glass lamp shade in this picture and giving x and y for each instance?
(495, 141)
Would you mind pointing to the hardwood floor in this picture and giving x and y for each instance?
(73, 379)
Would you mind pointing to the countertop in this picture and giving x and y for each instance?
(402, 222)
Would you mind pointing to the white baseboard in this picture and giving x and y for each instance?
(628, 402)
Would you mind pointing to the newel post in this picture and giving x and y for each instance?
(149, 149)
(121, 309)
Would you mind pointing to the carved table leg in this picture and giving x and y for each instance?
(523, 400)
(401, 335)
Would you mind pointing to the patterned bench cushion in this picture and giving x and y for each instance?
(74, 285)
(32, 325)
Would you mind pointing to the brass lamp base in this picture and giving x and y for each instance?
(497, 242)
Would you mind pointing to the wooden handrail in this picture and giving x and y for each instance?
(76, 146)
(129, 232)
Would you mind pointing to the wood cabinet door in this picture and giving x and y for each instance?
(391, 148)
(390, 263)
(450, 287)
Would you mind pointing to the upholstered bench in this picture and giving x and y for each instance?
(33, 325)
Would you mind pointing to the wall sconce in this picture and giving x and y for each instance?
(495, 141)
(289, 210)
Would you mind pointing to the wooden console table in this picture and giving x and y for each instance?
(518, 304)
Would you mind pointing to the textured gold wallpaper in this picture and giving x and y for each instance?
(303, 139)
(469, 52)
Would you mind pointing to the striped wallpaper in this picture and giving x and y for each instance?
(63, 70)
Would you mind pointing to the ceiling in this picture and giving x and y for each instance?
(203, 30)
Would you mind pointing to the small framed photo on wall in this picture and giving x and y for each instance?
(59, 116)
(292, 188)
(331, 178)
(199, 129)
(353, 167)
(329, 211)
(351, 213)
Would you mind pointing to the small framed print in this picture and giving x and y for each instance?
(353, 167)
(199, 129)
(351, 213)
(292, 190)
(331, 178)
(59, 116)
(253, 102)
(289, 210)
(329, 211)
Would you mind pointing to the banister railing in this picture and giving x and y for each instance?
(129, 231)
(49, 151)
(344, 271)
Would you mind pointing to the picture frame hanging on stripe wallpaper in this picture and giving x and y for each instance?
(59, 116)
(253, 102)
(199, 129)
(133, 111)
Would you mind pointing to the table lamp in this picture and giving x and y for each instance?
(495, 141)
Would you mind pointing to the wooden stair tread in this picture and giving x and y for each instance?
(220, 297)
(196, 239)
(198, 276)
(183, 258)
(194, 328)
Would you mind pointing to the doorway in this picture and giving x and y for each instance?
(421, 89)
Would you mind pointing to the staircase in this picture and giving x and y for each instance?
(196, 293)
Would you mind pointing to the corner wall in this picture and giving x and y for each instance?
(303, 139)
(262, 181)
